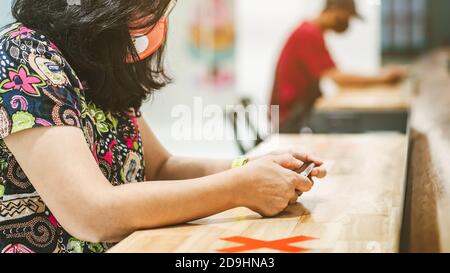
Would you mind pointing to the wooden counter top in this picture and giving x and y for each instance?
(428, 221)
(357, 208)
(379, 98)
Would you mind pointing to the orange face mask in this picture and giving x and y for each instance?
(147, 41)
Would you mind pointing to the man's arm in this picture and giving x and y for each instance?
(391, 76)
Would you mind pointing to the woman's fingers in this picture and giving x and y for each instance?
(319, 172)
(287, 161)
(302, 183)
(294, 200)
(306, 157)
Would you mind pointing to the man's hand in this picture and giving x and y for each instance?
(393, 75)
(390, 75)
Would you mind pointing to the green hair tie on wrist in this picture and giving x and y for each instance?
(239, 162)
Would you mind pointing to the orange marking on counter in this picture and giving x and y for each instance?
(248, 244)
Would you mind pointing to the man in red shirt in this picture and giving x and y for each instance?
(305, 59)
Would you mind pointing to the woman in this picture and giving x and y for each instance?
(72, 140)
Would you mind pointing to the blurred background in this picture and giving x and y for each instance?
(221, 50)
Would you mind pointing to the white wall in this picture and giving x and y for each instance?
(182, 92)
(264, 26)
(5, 12)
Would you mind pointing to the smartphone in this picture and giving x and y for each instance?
(306, 171)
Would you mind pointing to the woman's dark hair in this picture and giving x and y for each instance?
(93, 36)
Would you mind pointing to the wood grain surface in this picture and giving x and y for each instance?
(428, 223)
(357, 208)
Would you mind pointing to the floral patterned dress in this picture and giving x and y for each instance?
(38, 88)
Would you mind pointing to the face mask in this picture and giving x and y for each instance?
(147, 41)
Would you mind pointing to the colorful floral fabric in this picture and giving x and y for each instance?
(38, 88)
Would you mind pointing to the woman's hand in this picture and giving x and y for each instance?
(269, 184)
(319, 171)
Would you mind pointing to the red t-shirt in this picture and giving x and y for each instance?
(304, 58)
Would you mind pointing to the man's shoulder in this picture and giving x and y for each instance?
(307, 29)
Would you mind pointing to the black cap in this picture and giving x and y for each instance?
(344, 4)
